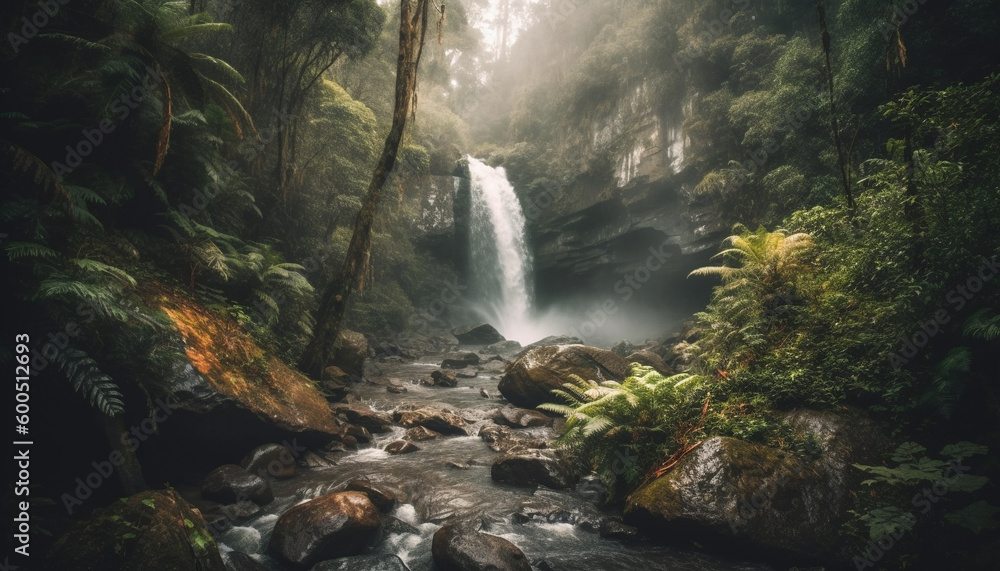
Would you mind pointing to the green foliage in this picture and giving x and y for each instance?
(915, 467)
(625, 430)
(88, 380)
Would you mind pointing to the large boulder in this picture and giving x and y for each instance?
(350, 351)
(150, 530)
(229, 484)
(479, 334)
(529, 381)
(533, 468)
(551, 340)
(455, 548)
(436, 420)
(732, 493)
(228, 395)
(330, 526)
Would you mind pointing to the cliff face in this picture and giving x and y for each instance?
(636, 198)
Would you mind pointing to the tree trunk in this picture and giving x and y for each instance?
(412, 29)
(130, 472)
(842, 161)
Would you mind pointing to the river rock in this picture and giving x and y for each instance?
(508, 347)
(350, 351)
(493, 433)
(401, 447)
(467, 373)
(479, 334)
(150, 530)
(334, 384)
(395, 389)
(421, 433)
(436, 420)
(334, 525)
(274, 460)
(363, 563)
(362, 415)
(230, 483)
(727, 490)
(460, 360)
(382, 499)
(615, 528)
(648, 358)
(532, 468)
(522, 418)
(444, 379)
(529, 381)
(458, 549)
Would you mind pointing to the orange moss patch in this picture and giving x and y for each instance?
(236, 366)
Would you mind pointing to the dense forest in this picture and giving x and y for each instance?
(758, 237)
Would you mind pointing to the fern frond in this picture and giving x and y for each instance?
(16, 250)
(88, 380)
(981, 325)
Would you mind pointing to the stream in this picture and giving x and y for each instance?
(557, 527)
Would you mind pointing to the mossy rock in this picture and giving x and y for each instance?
(151, 531)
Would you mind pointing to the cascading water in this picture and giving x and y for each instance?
(500, 262)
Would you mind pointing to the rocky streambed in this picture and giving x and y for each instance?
(473, 481)
(437, 459)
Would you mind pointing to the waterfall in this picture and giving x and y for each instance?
(500, 262)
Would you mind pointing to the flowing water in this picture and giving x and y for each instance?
(500, 268)
(555, 525)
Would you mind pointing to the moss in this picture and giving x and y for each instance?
(234, 365)
(150, 530)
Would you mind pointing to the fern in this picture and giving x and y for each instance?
(88, 380)
(625, 429)
(983, 325)
(16, 250)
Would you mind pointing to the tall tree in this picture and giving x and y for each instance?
(412, 30)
